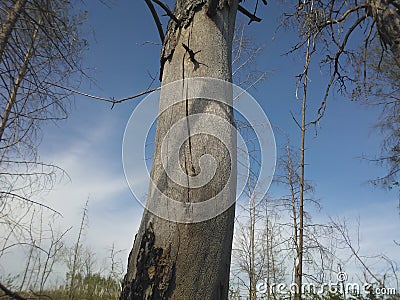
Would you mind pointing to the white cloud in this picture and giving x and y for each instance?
(95, 170)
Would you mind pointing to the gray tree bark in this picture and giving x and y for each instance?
(9, 24)
(171, 260)
(14, 91)
(386, 14)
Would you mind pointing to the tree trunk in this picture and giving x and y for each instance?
(9, 24)
(387, 20)
(297, 269)
(12, 99)
(253, 280)
(172, 260)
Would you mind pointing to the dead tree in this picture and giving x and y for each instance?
(169, 259)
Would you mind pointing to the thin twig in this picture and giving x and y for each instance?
(295, 120)
(113, 101)
(30, 201)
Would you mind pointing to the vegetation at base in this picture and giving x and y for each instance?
(86, 287)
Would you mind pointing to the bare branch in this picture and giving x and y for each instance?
(252, 17)
(30, 201)
(322, 108)
(156, 19)
(10, 293)
(295, 120)
(113, 101)
(344, 16)
(168, 11)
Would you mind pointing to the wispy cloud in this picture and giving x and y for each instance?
(94, 167)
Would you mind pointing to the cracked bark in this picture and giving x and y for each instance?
(191, 260)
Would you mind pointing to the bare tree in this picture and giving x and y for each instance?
(327, 27)
(8, 25)
(333, 24)
(169, 259)
(40, 45)
(187, 252)
(257, 245)
(74, 264)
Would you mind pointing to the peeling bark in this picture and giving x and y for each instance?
(155, 271)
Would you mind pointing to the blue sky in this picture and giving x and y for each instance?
(123, 49)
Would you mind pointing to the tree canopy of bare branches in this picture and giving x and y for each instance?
(40, 46)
